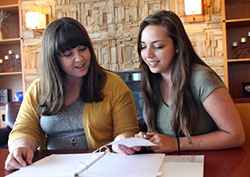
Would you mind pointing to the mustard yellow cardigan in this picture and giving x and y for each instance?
(103, 121)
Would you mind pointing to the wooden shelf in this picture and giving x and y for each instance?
(238, 73)
(11, 8)
(8, 2)
(10, 73)
(234, 32)
(238, 60)
(10, 41)
(237, 20)
(236, 25)
(236, 9)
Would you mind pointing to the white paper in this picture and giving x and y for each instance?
(183, 165)
(131, 142)
(111, 165)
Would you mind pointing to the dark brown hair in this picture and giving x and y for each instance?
(61, 35)
(185, 112)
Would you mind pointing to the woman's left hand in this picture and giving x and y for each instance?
(164, 143)
(121, 149)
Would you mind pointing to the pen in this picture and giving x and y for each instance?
(89, 165)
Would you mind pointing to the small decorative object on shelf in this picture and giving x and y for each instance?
(18, 97)
(235, 21)
(246, 89)
(242, 50)
(11, 46)
(4, 96)
(17, 56)
(10, 52)
(243, 40)
(235, 44)
(11, 62)
(6, 57)
(3, 16)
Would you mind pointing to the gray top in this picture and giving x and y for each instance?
(65, 125)
(203, 83)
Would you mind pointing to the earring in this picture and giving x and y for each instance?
(177, 51)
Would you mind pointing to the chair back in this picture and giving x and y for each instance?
(10, 118)
(12, 109)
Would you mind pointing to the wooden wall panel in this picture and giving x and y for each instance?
(113, 27)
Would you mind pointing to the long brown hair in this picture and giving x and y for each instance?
(185, 112)
(61, 35)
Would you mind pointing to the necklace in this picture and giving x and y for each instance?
(73, 139)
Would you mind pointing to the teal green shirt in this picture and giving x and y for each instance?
(203, 83)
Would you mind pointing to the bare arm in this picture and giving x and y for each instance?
(221, 108)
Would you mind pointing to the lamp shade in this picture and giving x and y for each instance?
(193, 7)
(35, 20)
(193, 10)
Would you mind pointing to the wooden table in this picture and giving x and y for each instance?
(219, 163)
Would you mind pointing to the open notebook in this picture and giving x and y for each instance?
(106, 164)
(110, 165)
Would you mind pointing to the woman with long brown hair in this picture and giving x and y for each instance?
(187, 106)
(75, 104)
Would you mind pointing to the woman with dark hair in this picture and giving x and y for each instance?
(187, 106)
(75, 104)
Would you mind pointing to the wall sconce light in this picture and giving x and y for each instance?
(194, 11)
(36, 21)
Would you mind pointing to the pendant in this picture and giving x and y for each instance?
(73, 141)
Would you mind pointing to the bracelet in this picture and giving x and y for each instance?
(178, 143)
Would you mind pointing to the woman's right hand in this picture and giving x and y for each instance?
(19, 157)
(21, 153)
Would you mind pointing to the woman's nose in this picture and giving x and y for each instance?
(78, 56)
(150, 52)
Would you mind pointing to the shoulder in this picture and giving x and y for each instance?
(199, 69)
(32, 92)
(112, 76)
(34, 86)
(204, 75)
(114, 80)
(203, 81)
(114, 85)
